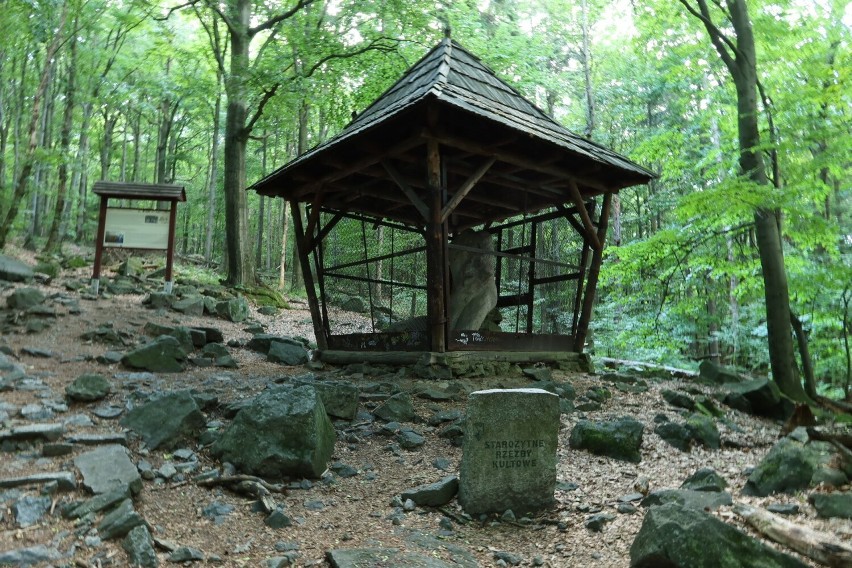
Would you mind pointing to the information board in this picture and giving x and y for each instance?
(136, 228)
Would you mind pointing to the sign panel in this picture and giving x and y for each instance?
(136, 228)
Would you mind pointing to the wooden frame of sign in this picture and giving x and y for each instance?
(136, 228)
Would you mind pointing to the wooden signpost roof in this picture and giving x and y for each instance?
(500, 154)
(140, 191)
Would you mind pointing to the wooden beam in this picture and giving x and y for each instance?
(584, 215)
(592, 281)
(310, 290)
(466, 187)
(542, 165)
(353, 167)
(406, 189)
(435, 261)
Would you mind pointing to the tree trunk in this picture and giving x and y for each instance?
(297, 280)
(741, 64)
(29, 158)
(239, 258)
(82, 162)
(65, 144)
(214, 175)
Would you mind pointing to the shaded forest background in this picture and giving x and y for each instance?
(155, 91)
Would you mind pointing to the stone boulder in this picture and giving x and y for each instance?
(283, 432)
(704, 431)
(13, 270)
(689, 498)
(676, 435)
(705, 479)
(678, 537)
(190, 305)
(161, 355)
(140, 548)
(166, 421)
(710, 372)
(219, 355)
(340, 399)
(236, 309)
(181, 333)
(289, 352)
(159, 301)
(433, 494)
(832, 505)
(760, 397)
(24, 299)
(788, 467)
(108, 468)
(619, 439)
(88, 388)
(398, 408)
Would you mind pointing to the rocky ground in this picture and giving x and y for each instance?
(601, 501)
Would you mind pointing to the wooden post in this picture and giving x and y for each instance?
(307, 275)
(170, 252)
(435, 253)
(99, 246)
(592, 282)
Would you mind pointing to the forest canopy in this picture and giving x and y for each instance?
(215, 95)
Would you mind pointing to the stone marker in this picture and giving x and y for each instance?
(509, 451)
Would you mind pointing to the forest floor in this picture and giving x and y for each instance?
(357, 511)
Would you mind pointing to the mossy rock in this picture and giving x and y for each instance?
(75, 262)
(265, 296)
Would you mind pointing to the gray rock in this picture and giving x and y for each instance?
(597, 521)
(433, 494)
(538, 373)
(619, 439)
(13, 270)
(65, 480)
(278, 519)
(140, 548)
(166, 421)
(30, 556)
(186, 554)
(398, 408)
(705, 479)
(832, 505)
(108, 468)
(159, 300)
(287, 353)
(783, 508)
(261, 342)
(118, 522)
(97, 503)
(676, 435)
(219, 354)
(340, 399)
(409, 439)
(161, 355)
(677, 537)
(29, 510)
(788, 467)
(283, 432)
(699, 500)
(236, 309)
(381, 557)
(760, 397)
(678, 399)
(24, 298)
(710, 372)
(181, 333)
(704, 431)
(217, 511)
(88, 388)
(49, 432)
(190, 305)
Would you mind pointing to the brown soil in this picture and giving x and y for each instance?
(356, 509)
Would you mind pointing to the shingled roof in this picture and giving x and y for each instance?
(452, 97)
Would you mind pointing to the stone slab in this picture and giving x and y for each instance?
(509, 451)
(381, 558)
(65, 480)
(107, 468)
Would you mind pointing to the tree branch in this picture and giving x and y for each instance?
(267, 96)
(720, 40)
(375, 44)
(271, 22)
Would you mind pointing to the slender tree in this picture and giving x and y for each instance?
(739, 56)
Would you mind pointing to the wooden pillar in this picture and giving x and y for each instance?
(436, 240)
(313, 304)
(99, 246)
(594, 272)
(170, 252)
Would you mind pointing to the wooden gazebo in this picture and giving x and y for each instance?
(451, 147)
